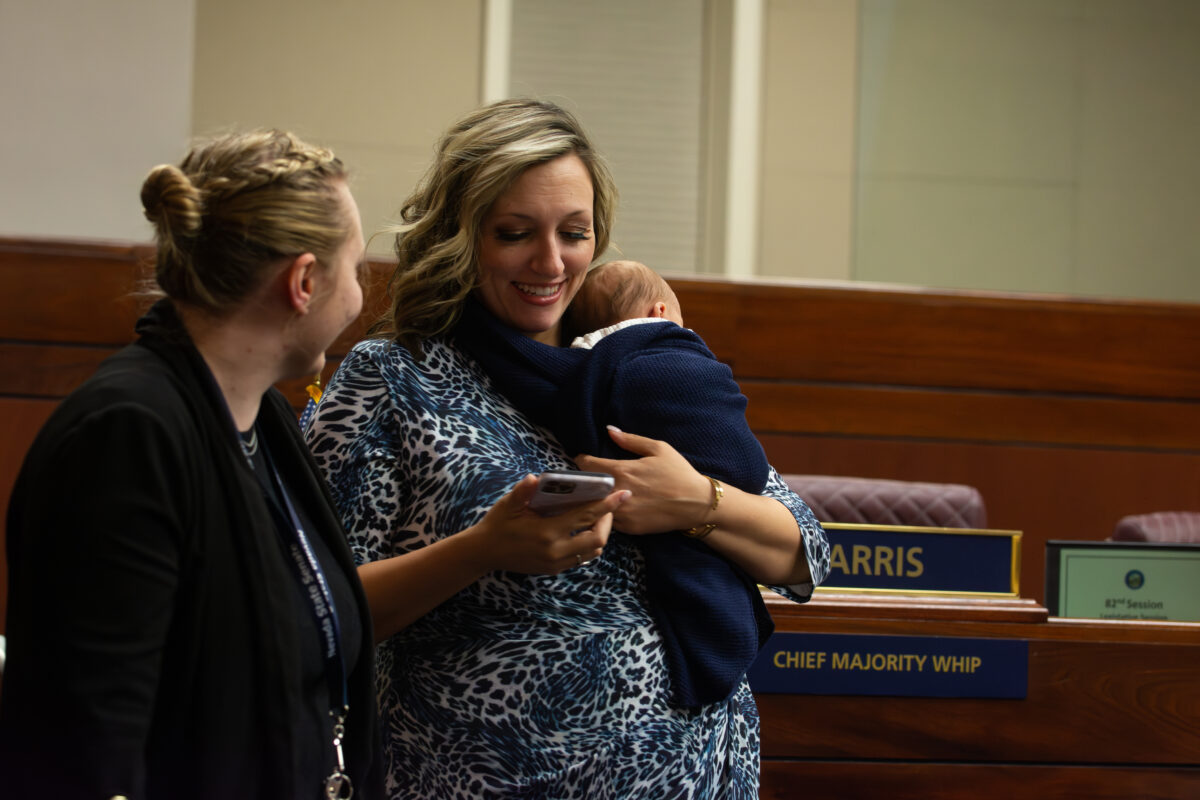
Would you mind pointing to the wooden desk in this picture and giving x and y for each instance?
(1112, 711)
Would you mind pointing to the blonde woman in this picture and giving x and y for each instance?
(518, 656)
(184, 617)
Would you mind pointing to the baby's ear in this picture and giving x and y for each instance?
(659, 309)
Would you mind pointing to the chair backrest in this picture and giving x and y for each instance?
(1160, 526)
(881, 501)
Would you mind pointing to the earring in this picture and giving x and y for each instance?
(314, 388)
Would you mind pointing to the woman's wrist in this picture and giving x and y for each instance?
(475, 550)
(706, 525)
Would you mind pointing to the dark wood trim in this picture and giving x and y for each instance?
(849, 333)
(48, 370)
(1100, 693)
(839, 605)
(1012, 618)
(788, 779)
(70, 292)
(973, 416)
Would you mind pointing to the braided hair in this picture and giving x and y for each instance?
(234, 205)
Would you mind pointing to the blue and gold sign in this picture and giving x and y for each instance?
(899, 666)
(897, 558)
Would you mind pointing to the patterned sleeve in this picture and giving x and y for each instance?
(352, 437)
(816, 544)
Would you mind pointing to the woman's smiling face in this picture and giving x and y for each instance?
(535, 245)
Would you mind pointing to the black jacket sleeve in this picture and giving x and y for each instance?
(96, 529)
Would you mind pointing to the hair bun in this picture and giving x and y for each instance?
(172, 203)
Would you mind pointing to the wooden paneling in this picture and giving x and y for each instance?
(20, 420)
(851, 333)
(1109, 704)
(70, 304)
(1066, 414)
(972, 416)
(1088, 703)
(857, 780)
(48, 370)
(887, 606)
(1047, 492)
(79, 292)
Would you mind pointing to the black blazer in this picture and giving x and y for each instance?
(151, 632)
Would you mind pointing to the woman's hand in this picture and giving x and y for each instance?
(668, 493)
(512, 537)
(404, 588)
(755, 532)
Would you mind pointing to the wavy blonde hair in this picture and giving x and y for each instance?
(235, 204)
(476, 160)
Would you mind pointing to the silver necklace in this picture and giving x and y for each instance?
(249, 448)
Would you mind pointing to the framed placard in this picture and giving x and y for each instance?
(899, 558)
(1123, 580)
(900, 666)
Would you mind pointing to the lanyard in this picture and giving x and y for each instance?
(307, 570)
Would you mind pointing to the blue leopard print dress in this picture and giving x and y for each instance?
(520, 686)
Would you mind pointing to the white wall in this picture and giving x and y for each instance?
(1044, 145)
(634, 81)
(1027, 145)
(92, 95)
(374, 80)
(810, 86)
(1016, 145)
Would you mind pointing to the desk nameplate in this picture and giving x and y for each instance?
(1123, 580)
(897, 666)
(919, 560)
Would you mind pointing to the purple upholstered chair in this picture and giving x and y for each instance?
(1161, 526)
(880, 501)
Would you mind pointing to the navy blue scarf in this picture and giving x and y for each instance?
(710, 614)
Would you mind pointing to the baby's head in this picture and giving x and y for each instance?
(619, 290)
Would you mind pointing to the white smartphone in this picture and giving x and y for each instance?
(559, 490)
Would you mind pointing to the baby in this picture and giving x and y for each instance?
(663, 381)
(617, 292)
(634, 366)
